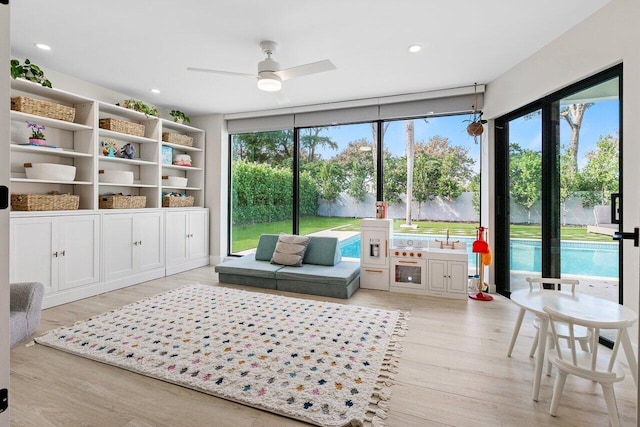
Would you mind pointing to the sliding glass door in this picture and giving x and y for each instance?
(557, 172)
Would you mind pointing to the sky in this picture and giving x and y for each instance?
(601, 119)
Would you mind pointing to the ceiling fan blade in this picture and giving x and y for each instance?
(225, 73)
(303, 70)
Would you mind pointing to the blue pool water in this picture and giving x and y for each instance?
(581, 258)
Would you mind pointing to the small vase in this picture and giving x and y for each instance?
(37, 141)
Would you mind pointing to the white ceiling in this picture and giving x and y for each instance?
(133, 46)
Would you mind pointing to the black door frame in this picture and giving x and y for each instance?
(550, 201)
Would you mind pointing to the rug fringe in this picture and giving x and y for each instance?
(379, 405)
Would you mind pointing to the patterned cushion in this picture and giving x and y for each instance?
(290, 250)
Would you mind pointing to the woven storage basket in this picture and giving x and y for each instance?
(43, 108)
(122, 126)
(122, 202)
(44, 202)
(177, 202)
(176, 138)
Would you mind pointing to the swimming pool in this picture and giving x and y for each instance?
(580, 258)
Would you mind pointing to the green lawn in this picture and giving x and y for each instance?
(246, 236)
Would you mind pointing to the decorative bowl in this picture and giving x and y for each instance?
(50, 171)
(112, 176)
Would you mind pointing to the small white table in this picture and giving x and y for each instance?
(576, 305)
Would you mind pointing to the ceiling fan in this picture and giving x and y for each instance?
(270, 76)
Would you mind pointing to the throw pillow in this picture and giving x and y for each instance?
(290, 250)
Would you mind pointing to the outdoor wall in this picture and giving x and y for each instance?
(458, 210)
(608, 37)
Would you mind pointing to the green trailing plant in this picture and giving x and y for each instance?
(134, 104)
(179, 115)
(29, 71)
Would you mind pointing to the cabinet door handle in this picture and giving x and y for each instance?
(140, 242)
(135, 243)
(373, 271)
(63, 253)
(55, 254)
(408, 262)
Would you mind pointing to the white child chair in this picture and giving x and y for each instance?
(585, 364)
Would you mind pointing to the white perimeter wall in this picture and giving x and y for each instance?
(609, 37)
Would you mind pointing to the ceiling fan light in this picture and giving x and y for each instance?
(269, 82)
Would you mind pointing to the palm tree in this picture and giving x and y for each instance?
(410, 139)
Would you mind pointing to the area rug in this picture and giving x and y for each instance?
(323, 363)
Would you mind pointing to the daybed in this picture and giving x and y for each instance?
(322, 271)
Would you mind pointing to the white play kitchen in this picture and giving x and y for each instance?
(436, 267)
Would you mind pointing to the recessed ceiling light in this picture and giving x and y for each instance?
(43, 46)
(155, 90)
(415, 48)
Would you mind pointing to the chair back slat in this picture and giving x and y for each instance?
(571, 323)
(556, 282)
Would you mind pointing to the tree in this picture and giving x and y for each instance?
(525, 172)
(310, 138)
(410, 141)
(573, 115)
(426, 172)
(274, 148)
(358, 167)
(600, 176)
(330, 182)
(395, 179)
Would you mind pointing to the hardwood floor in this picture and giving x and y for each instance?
(453, 371)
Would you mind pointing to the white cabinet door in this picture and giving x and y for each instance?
(458, 277)
(149, 230)
(176, 238)
(32, 252)
(198, 239)
(118, 246)
(78, 250)
(438, 271)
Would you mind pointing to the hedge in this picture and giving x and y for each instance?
(262, 193)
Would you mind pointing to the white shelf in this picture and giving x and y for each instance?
(49, 151)
(46, 92)
(181, 147)
(58, 124)
(124, 112)
(167, 187)
(126, 161)
(182, 168)
(179, 127)
(134, 185)
(126, 137)
(47, 181)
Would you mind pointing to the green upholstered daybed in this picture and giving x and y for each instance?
(322, 272)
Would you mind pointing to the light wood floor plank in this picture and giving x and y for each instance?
(453, 372)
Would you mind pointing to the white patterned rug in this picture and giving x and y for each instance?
(323, 363)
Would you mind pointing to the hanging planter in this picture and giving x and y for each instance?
(476, 128)
(476, 123)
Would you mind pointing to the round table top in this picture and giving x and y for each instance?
(577, 305)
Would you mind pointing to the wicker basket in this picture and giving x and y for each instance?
(177, 202)
(122, 202)
(44, 202)
(43, 108)
(122, 126)
(177, 138)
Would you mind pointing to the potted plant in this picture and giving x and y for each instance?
(37, 135)
(475, 126)
(140, 106)
(179, 116)
(28, 71)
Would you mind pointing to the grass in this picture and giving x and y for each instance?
(246, 236)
